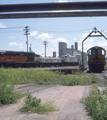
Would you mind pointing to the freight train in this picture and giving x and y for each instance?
(96, 59)
(30, 59)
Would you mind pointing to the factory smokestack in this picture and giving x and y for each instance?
(72, 47)
(54, 54)
(76, 46)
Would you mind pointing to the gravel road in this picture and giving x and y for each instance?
(67, 98)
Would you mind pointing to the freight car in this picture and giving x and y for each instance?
(66, 60)
(48, 61)
(30, 59)
(96, 59)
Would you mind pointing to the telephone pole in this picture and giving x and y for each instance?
(45, 43)
(27, 33)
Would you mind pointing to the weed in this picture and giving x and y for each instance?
(79, 79)
(7, 94)
(96, 103)
(20, 76)
(10, 77)
(32, 104)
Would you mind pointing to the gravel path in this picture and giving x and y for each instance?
(67, 98)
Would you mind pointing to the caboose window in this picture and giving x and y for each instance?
(92, 51)
(103, 52)
(89, 52)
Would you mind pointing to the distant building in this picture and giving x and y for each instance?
(63, 50)
(54, 54)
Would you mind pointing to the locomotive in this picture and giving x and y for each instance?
(30, 59)
(96, 59)
(16, 59)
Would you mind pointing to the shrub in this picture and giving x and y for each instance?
(96, 104)
(22, 76)
(10, 77)
(7, 94)
(79, 79)
(32, 104)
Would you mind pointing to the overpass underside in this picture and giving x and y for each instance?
(51, 10)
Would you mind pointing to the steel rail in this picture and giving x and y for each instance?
(54, 14)
(53, 6)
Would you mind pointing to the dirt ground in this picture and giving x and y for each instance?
(67, 98)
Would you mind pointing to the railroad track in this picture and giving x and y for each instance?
(104, 73)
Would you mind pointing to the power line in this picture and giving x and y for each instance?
(56, 30)
(52, 30)
(12, 27)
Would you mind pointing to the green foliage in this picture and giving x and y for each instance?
(96, 104)
(7, 94)
(32, 104)
(22, 76)
(10, 77)
(80, 78)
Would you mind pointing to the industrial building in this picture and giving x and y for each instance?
(72, 51)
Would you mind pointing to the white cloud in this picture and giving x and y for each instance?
(21, 47)
(59, 40)
(89, 40)
(2, 26)
(53, 49)
(14, 44)
(11, 37)
(62, 1)
(102, 44)
(44, 36)
(20, 44)
(87, 44)
(34, 33)
(74, 39)
(85, 35)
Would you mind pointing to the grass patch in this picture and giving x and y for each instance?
(32, 104)
(7, 94)
(80, 78)
(96, 103)
(22, 76)
(11, 77)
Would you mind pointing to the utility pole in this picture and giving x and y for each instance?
(45, 43)
(30, 49)
(27, 33)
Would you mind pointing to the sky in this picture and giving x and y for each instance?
(52, 30)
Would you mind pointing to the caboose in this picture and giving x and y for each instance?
(96, 59)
